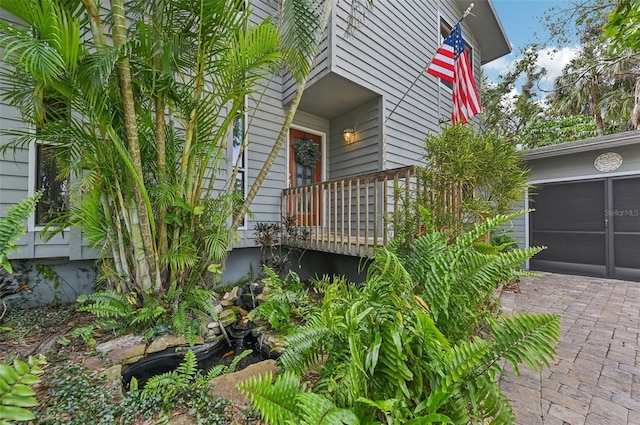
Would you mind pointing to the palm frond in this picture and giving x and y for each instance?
(299, 26)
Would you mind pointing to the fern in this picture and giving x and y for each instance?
(457, 280)
(405, 346)
(304, 346)
(274, 399)
(16, 392)
(526, 338)
(202, 300)
(169, 383)
(107, 303)
(12, 226)
(85, 332)
(318, 410)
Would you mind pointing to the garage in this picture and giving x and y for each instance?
(590, 227)
(585, 198)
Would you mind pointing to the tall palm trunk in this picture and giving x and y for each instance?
(142, 237)
(160, 128)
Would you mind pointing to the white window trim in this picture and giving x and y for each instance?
(31, 181)
(33, 170)
(245, 168)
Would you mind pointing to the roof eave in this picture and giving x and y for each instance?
(487, 29)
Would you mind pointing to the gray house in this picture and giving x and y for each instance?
(361, 83)
(586, 198)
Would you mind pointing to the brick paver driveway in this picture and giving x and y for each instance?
(595, 378)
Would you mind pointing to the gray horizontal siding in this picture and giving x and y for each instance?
(364, 154)
(389, 50)
(581, 165)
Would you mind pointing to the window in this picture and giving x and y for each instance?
(239, 156)
(445, 30)
(47, 167)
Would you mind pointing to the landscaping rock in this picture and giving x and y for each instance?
(48, 344)
(127, 355)
(166, 341)
(227, 317)
(271, 343)
(225, 386)
(126, 341)
(113, 379)
(93, 362)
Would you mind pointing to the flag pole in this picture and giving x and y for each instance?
(464, 15)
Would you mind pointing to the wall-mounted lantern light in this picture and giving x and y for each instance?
(348, 135)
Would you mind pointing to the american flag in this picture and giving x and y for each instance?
(451, 64)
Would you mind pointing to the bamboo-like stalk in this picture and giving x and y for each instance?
(142, 237)
(161, 148)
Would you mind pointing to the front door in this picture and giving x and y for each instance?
(307, 203)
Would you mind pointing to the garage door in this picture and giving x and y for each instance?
(590, 228)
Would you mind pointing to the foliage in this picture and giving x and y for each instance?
(16, 392)
(508, 108)
(287, 302)
(623, 24)
(175, 310)
(197, 70)
(553, 131)
(597, 85)
(279, 242)
(170, 387)
(12, 226)
(383, 355)
(285, 400)
(468, 176)
(73, 396)
(503, 240)
(456, 279)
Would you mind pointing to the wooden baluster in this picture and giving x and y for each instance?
(349, 221)
(358, 217)
(342, 199)
(366, 217)
(376, 211)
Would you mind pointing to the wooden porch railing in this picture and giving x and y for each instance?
(350, 216)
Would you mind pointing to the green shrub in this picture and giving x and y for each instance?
(76, 397)
(178, 309)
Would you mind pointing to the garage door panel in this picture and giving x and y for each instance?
(571, 247)
(626, 205)
(573, 206)
(627, 251)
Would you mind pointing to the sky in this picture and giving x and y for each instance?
(521, 22)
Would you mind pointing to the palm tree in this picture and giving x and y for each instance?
(123, 73)
(195, 60)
